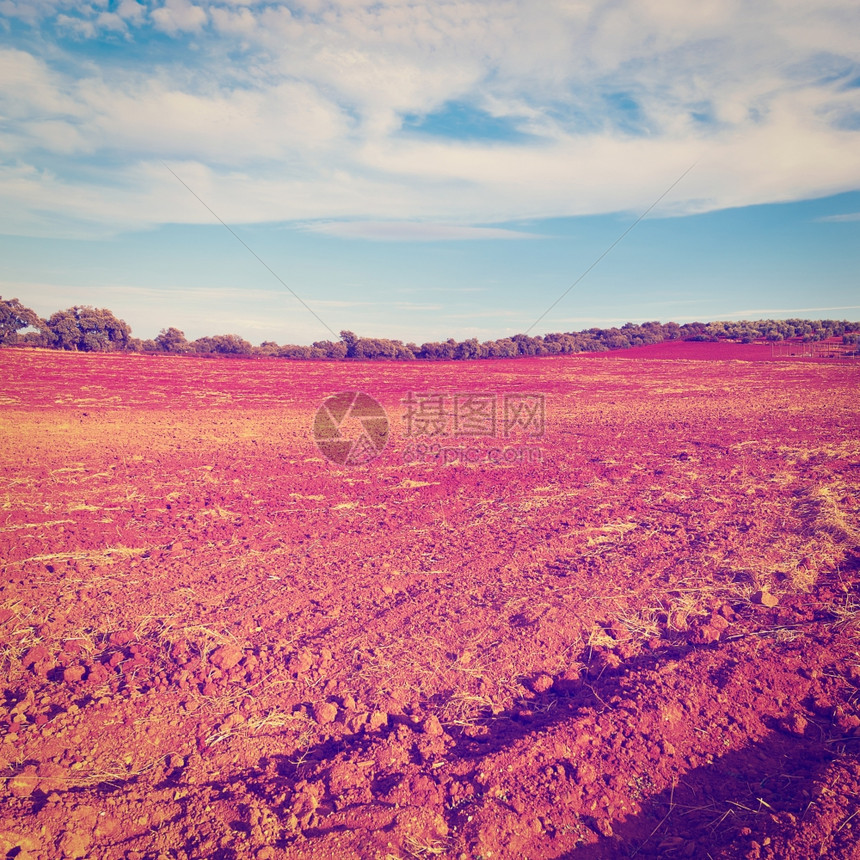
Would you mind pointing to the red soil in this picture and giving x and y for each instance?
(730, 351)
(635, 635)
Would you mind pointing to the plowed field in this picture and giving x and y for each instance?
(629, 630)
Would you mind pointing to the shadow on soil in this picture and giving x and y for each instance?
(724, 806)
(728, 807)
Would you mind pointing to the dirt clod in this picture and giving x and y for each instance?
(226, 657)
(23, 784)
(542, 683)
(73, 674)
(765, 598)
(377, 720)
(325, 713)
(432, 727)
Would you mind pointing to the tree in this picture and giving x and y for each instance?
(374, 347)
(14, 317)
(350, 339)
(36, 337)
(221, 344)
(527, 345)
(203, 345)
(502, 348)
(172, 340)
(616, 340)
(89, 329)
(468, 349)
(331, 349)
(267, 349)
(672, 331)
(135, 344)
(293, 351)
(64, 329)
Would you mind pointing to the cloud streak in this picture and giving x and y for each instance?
(408, 231)
(840, 219)
(783, 311)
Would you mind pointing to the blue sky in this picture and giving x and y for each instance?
(428, 170)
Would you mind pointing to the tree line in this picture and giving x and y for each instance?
(87, 329)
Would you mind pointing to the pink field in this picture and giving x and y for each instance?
(629, 631)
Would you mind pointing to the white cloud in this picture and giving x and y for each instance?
(149, 116)
(241, 22)
(131, 10)
(77, 26)
(29, 89)
(111, 21)
(179, 16)
(239, 126)
(89, 19)
(28, 10)
(297, 113)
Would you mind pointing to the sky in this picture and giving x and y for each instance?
(425, 170)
